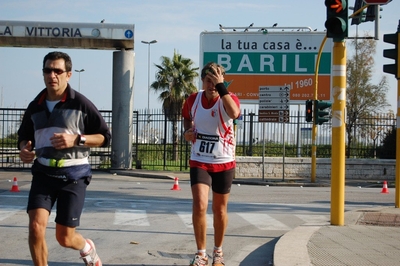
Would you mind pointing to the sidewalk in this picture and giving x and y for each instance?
(369, 237)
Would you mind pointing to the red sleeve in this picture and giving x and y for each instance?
(187, 106)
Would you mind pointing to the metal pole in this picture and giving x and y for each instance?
(79, 79)
(263, 153)
(314, 126)
(250, 151)
(377, 22)
(148, 79)
(284, 148)
(298, 132)
(148, 73)
(397, 177)
(338, 133)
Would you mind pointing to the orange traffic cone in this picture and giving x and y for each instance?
(15, 186)
(176, 185)
(385, 188)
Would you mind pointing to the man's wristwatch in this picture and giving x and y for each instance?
(81, 140)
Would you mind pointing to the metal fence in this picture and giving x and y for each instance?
(154, 147)
(10, 120)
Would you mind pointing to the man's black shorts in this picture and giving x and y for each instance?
(69, 194)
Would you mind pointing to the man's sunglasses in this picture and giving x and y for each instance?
(56, 71)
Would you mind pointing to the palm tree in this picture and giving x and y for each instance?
(175, 79)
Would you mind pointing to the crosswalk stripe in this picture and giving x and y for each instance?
(131, 217)
(186, 217)
(7, 211)
(140, 218)
(313, 219)
(263, 221)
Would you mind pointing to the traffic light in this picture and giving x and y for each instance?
(360, 16)
(321, 116)
(309, 111)
(371, 13)
(367, 14)
(392, 38)
(336, 23)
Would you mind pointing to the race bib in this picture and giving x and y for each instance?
(206, 145)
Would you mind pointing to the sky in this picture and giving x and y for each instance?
(175, 24)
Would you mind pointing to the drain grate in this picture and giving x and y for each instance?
(175, 255)
(380, 219)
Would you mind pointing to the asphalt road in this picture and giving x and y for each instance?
(141, 221)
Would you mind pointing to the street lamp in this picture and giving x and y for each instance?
(148, 74)
(79, 71)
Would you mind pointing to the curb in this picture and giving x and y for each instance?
(162, 175)
(137, 174)
(291, 248)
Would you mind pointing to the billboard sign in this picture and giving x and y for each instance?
(66, 35)
(259, 59)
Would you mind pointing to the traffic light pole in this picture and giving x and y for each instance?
(397, 196)
(397, 63)
(394, 69)
(314, 152)
(338, 133)
(314, 126)
(337, 29)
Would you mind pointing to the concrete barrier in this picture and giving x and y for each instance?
(300, 167)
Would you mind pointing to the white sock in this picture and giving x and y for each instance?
(202, 252)
(86, 248)
(217, 249)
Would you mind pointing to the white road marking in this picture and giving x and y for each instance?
(7, 211)
(314, 219)
(263, 221)
(131, 217)
(186, 217)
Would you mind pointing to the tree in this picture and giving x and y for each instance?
(364, 99)
(388, 148)
(175, 79)
(375, 129)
